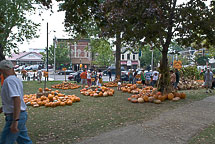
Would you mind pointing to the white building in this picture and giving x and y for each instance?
(129, 58)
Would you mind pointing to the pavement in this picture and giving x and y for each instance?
(57, 77)
(175, 126)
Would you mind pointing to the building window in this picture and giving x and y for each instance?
(128, 56)
(134, 57)
(123, 57)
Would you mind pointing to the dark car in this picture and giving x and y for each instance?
(75, 76)
(67, 72)
(113, 70)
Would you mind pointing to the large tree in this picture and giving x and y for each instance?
(15, 27)
(159, 22)
(88, 17)
(146, 22)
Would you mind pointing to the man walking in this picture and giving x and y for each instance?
(13, 107)
(83, 78)
(208, 78)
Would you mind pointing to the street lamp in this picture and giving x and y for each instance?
(55, 46)
(151, 49)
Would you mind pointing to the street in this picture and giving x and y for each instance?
(57, 77)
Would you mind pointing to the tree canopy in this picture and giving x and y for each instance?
(15, 27)
(102, 52)
(61, 53)
(146, 22)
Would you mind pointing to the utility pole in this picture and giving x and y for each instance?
(55, 46)
(47, 61)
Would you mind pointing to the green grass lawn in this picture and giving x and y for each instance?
(91, 116)
(206, 136)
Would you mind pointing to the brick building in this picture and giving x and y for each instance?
(77, 53)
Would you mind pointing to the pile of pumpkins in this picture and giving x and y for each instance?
(53, 99)
(111, 84)
(65, 86)
(156, 98)
(131, 88)
(97, 92)
(187, 84)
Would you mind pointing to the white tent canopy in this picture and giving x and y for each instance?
(212, 60)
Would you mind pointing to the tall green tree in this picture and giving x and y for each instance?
(102, 52)
(146, 22)
(88, 17)
(146, 57)
(159, 22)
(61, 55)
(15, 27)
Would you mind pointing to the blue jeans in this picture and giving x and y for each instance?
(131, 80)
(21, 137)
(175, 85)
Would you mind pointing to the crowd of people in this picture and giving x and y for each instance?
(91, 78)
(27, 75)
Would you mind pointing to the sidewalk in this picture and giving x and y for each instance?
(175, 126)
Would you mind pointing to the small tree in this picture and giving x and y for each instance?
(101, 52)
(61, 53)
(15, 27)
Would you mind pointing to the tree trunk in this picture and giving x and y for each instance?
(118, 56)
(2, 57)
(164, 83)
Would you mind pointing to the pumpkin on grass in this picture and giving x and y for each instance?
(170, 96)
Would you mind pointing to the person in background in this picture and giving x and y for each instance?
(39, 75)
(154, 78)
(13, 107)
(34, 76)
(89, 78)
(83, 78)
(109, 73)
(135, 74)
(28, 75)
(99, 81)
(2, 79)
(93, 78)
(172, 77)
(24, 74)
(130, 76)
(177, 78)
(142, 76)
(148, 77)
(208, 79)
(119, 85)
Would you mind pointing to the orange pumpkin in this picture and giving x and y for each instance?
(62, 103)
(182, 95)
(50, 97)
(146, 98)
(100, 94)
(170, 96)
(77, 99)
(40, 90)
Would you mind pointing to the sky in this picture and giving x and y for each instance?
(56, 28)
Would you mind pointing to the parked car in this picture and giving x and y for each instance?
(113, 70)
(75, 76)
(67, 72)
(19, 68)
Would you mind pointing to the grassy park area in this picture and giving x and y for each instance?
(91, 116)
